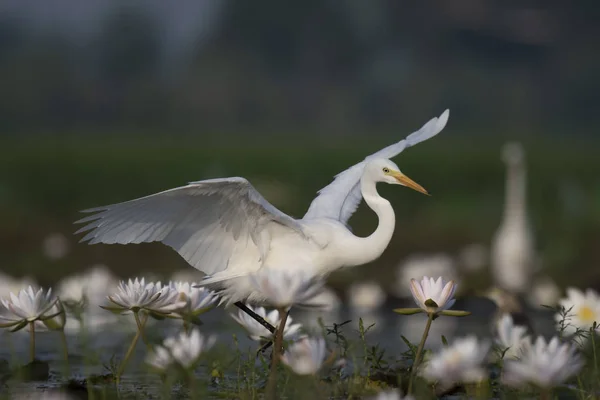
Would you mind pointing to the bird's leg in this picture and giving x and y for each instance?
(270, 343)
(264, 347)
(254, 315)
(271, 389)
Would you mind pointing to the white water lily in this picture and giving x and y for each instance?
(306, 356)
(428, 264)
(391, 395)
(88, 288)
(583, 310)
(511, 338)
(138, 295)
(433, 296)
(196, 300)
(460, 362)
(543, 364)
(183, 350)
(282, 288)
(257, 331)
(9, 285)
(26, 307)
(366, 296)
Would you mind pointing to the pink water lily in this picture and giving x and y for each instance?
(431, 295)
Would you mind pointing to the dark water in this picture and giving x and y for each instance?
(88, 352)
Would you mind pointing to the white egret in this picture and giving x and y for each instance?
(513, 253)
(226, 229)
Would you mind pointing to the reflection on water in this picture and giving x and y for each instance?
(88, 353)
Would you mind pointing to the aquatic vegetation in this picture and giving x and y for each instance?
(258, 332)
(463, 361)
(27, 308)
(583, 310)
(137, 295)
(391, 395)
(544, 364)
(192, 301)
(433, 296)
(183, 350)
(306, 356)
(511, 338)
(339, 362)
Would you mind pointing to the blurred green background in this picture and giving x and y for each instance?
(101, 103)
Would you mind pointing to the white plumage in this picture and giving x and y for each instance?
(513, 253)
(226, 229)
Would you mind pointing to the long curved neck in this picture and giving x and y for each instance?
(514, 206)
(369, 248)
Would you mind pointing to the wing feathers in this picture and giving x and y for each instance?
(340, 199)
(206, 222)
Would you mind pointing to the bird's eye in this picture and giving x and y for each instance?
(386, 170)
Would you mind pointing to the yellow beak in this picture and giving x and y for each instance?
(406, 181)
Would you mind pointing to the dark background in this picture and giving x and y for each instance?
(102, 102)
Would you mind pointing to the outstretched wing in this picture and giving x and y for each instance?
(206, 222)
(340, 199)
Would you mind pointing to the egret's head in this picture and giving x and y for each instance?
(383, 170)
(513, 153)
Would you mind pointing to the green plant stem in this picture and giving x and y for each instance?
(65, 349)
(127, 355)
(593, 333)
(271, 391)
(193, 384)
(140, 327)
(419, 354)
(32, 341)
(318, 389)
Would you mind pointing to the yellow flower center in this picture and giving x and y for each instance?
(586, 314)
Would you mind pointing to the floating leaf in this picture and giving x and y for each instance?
(408, 311)
(455, 313)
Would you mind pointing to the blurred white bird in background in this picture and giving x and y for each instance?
(226, 229)
(513, 254)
